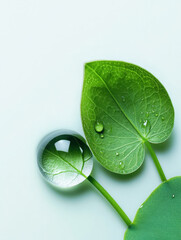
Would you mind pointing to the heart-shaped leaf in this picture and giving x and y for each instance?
(122, 107)
(65, 160)
(159, 218)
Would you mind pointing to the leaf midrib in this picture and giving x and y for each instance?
(82, 158)
(115, 101)
(81, 173)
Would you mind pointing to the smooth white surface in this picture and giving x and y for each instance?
(43, 47)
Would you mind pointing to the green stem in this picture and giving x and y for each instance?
(157, 164)
(110, 200)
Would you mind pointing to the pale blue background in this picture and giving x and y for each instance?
(43, 47)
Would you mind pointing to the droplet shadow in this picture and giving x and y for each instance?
(74, 191)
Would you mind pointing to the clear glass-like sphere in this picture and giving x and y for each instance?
(64, 159)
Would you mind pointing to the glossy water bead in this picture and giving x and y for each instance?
(99, 127)
(64, 159)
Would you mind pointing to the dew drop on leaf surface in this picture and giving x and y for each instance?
(121, 164)
(146, 126)
(99, 127)
(145, 123)
(123, 99)
(102, 135)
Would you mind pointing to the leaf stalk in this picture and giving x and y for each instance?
(110, 200)
(156, 162)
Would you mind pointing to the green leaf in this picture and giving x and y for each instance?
(65, 160)
(159, 218)
(131, 105)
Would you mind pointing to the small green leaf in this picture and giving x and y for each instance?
(65, 160)
(132, 107)
(159, 217)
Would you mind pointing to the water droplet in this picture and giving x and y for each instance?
(146, 127)
(156, 114)
(141, 112)
(147, 114)
(173, 196)
(140, 121)
(121, 164)
(141, 206)
(123, 98)
(102, 135)
(65, 144)
(145, 123)
(163, 118)
(117, 154)
(153, 110)
(99, 127)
